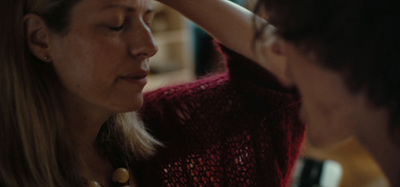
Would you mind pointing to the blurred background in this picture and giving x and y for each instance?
(187, 53)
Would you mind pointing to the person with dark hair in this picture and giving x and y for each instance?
(71, 77)
(342, 56)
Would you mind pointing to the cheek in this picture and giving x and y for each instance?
(81, 58)
(80, 71)
(76, 80)
(73, 68)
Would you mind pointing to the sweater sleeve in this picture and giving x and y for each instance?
(237, 128)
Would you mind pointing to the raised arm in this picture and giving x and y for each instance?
(233, 26)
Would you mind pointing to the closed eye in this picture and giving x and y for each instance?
(117, 28)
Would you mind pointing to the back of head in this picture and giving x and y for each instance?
(358, 38)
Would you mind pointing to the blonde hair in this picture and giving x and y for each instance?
(34, 143)
(128, 137)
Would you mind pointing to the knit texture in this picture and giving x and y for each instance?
(239, 128)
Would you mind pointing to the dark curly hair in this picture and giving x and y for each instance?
(358, 38)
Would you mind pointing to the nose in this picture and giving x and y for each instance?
(143, 45)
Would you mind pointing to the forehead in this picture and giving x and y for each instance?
(104, 5)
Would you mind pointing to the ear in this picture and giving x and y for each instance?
(37, 35)
(278, 47)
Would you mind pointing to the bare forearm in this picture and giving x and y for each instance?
(233, 26)
(227, 22)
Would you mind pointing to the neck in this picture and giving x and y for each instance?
(374, 136)
(84, 122)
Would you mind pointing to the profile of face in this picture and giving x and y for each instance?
(331, 112)
(103, 60)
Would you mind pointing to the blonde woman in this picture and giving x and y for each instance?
(72, 74)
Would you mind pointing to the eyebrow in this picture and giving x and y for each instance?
(128, 8)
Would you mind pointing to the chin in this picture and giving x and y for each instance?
(134, 107)
(325, 140)
(134, 104)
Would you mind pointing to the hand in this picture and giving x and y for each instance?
(271, 55)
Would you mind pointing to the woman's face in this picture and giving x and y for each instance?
(328, 108)
(103, 60)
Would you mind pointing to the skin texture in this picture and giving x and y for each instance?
(107, 42)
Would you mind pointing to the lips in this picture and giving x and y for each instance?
(138, 77)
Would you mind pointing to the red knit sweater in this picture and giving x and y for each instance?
(239, 128)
